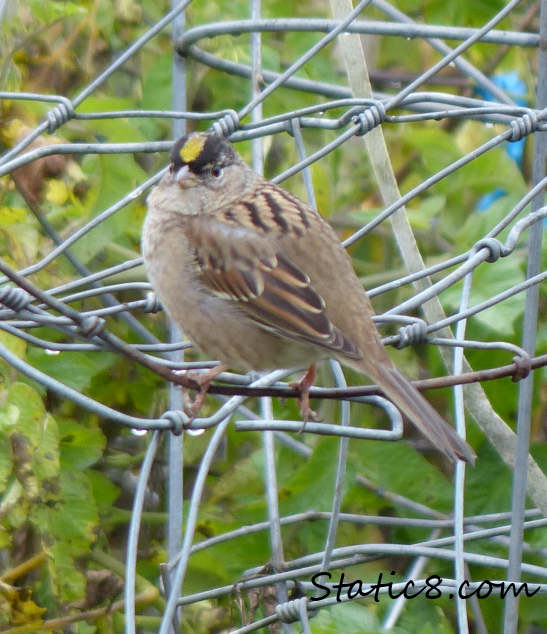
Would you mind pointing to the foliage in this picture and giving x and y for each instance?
(65, 475)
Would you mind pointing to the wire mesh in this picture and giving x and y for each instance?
(44, 318)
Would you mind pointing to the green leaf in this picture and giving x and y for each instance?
(6, 461)
(397, 467)
(104, 491)
(19, 237)
(462, 13)
(33, 436)
(435, 146)
(226, 561)
(489, 280)
(479, 177)
(51, 11)
(157, 86)
(67, 531)
(29, 410)
(350, 618)
(112, 178)
(80, 446)
(425, 617)
(479, 223)
(244, 476)
(12, 215)
(75, 369)
(13, 344)
(119, 130)
(312, 485)
(488, 469)
(429, 208)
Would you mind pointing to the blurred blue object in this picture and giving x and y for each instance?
(516, 89)
(485, 201)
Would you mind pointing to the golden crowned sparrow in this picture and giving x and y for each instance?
(257, 279)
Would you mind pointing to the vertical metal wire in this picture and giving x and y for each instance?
(193, 507)
(191, 522)
(528, 343)
(340, 381)
(414, 572)
(268, 438)
(176, 442)
(256, 74)
(306, 57)
(459, 474)
(276, 541)
(306, 172)
(133, 537)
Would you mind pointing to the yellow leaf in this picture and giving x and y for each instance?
(11, 215)
(20, 607)
(11, 132)
(25, 611)
(322, 188)
(57, 192)
(13, 344)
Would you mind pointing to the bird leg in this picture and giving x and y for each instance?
(303, 386)
(204, 380)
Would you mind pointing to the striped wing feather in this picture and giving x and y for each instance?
(242, 265)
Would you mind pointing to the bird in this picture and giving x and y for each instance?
(257, 279)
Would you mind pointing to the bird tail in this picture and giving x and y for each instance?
(399, 389)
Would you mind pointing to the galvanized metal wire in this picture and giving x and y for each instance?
(25, 307)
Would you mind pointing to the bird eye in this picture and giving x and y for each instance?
(217, 171)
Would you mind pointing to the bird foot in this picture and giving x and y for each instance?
(304, 386)
(204, 380)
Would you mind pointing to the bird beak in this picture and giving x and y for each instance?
(185, 178)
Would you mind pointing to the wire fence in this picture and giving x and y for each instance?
(347, 110)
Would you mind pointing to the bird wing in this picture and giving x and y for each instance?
(243, 266)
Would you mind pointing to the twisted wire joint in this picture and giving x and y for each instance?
(370, 118)
(91, 326)
(58, 115)
(523, 365)
(411, 334)
(152, 303)
(227, 124)
(15, 298)
(522, 126)
(493, 245)
(178, 420)
(292, 611)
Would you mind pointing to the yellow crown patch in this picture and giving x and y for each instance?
(192, 148)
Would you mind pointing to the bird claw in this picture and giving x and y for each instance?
(304, 386)
(192, 406)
